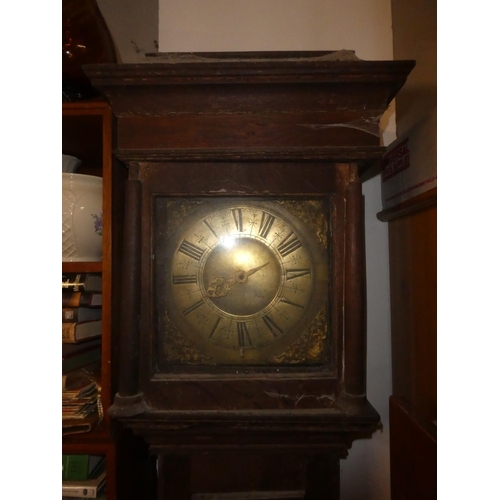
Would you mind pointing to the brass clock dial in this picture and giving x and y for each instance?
(245, 278)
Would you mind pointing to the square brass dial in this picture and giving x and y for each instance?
(243, 281)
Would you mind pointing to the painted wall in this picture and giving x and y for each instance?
(415, 37)
(240, 25)
(133, 25)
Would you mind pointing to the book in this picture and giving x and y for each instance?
(72, 381)
(100, 496)
(78, 314)
(75, 332)
(77, 384)
(68, 349)
(82, 282)
(79, 359)
(77, 426)
(81, 402)
(81, 299)
(89, 488)
(78, 411)
(82, 467)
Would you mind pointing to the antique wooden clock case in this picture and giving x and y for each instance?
(242, 330)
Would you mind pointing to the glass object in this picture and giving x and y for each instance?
(85, 40)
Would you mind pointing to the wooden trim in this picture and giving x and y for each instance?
(183, 68)
(85, 107)
(355, 307)
(107, 184)
(82, 267)
(420, 202)
(324, 154)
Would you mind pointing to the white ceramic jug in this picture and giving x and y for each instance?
(81, 218)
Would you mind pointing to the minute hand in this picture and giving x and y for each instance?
(255, 269)
(242, 276)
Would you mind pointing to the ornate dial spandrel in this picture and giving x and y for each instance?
(244, 282)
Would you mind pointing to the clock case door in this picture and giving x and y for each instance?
(300, 382)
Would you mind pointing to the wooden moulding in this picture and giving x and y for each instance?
(420, 202)
(249, 101)
(355, 301)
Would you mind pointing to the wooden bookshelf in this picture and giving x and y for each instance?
(87, 134)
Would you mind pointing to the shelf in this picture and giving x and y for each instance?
(99, 435)
(96, 102)
(82, 267)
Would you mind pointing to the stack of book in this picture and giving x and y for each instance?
(81, 351)
(83, 476)
(81, 307)
(81, 407)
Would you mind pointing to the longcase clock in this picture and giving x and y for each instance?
(242, 335)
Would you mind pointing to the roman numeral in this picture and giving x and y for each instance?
(191, 250)
(210, 228)
(291, 274)
(289, 245)
(273, 327)
(214, 328)
(191, 308)
(290, 303)
(243, 334)
(238, 218)
(184, 279)
(266, 223)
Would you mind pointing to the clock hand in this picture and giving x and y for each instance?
(255, 269)
(242, 276)
(219, 287)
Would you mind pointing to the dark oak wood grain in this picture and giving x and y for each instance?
(413, 408)
(413, 453)
(261, 125)
(413, 268)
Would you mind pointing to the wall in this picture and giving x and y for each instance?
(133, 25)
(239, 25)
(415, 37)
(414, 239)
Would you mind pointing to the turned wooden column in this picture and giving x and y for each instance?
(129, 400)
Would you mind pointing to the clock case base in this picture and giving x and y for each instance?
(253, 455)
